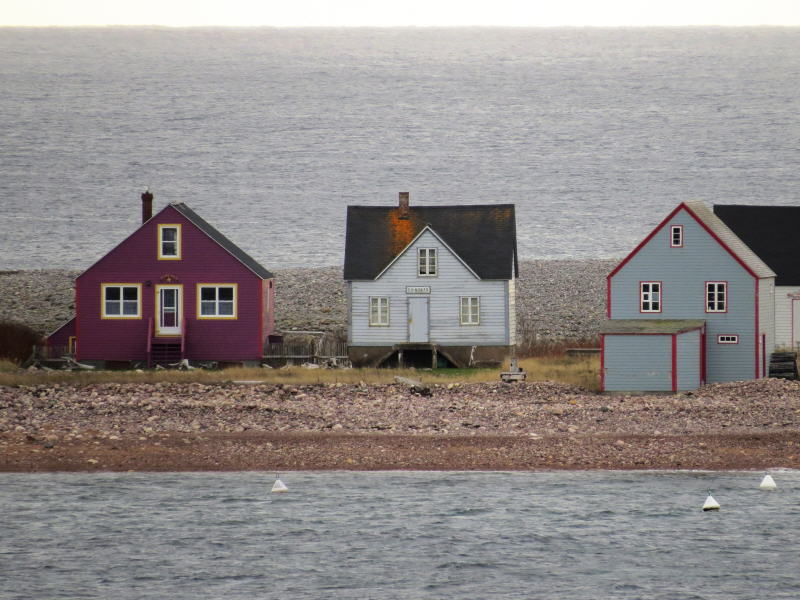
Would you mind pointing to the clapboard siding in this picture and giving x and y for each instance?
(787, 316)
(688, 360)
(684, 272)
(637, 363)
(135, 261)
(453, 281)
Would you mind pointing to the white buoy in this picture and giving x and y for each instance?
(710, 503)
(279, 487)
(768, 483)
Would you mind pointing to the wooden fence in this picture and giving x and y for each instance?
(322, 351)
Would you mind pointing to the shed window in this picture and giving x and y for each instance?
(470, 310)
(650, 296)
(676, 236)
(216, 301)
(727, 339)
(121, 301)
(716, 296)
(169, 242)
(378, 312)
(427, 261)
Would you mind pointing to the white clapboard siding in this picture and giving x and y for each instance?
(787, 316)
(453, 280)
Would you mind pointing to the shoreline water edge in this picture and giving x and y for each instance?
(332, 426)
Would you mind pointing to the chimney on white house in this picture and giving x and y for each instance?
(403, 205)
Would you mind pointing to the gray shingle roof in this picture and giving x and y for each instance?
(650, 326)
(484, 236)
(223, 241)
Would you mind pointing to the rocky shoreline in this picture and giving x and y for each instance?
(476, 426)
(556, 299)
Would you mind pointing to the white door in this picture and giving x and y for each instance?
(168, 314)
(418, 319)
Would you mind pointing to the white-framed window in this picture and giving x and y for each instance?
(121, 300)
(378, 311)
(470, 310)
(676, 236)
(169, 242)
(216, 301)
(427, 262)
(650, 297)
(716, 296)
(727, 339)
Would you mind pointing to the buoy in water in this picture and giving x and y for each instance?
(710, 503)
(279, 487)
(768, 483)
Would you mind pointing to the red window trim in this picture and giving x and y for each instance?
(727, 298)
(660, 298)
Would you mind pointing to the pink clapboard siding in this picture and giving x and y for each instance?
(203, 260)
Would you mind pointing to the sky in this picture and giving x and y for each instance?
(300, 13)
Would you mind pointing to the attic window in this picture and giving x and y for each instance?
(427, 262)
(716, 296)
(169, 242)
(676, 236)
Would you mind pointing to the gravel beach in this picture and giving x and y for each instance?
(475, 426)
(527, 426)
(555, 298)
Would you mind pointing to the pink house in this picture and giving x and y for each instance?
(175, 289)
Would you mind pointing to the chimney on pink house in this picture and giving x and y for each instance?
(403, 205)
(147, 206)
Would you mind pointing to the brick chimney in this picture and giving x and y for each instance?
(147, 206)
(403, 205)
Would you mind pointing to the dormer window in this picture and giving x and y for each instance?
(169, 242)
(427, 262)
(676, 236)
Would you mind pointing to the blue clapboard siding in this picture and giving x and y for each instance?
(638, 363)
(688, 360)
(683, 273)
(453, 281)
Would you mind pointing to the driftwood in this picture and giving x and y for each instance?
(417, 387)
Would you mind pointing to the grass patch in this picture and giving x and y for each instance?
(577, 371)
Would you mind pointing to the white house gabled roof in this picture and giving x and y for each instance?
(730, 239)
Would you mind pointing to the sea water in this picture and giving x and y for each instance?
(594, 134)
(399, 535)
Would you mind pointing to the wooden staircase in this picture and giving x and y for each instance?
(783, 365)
(165, 351)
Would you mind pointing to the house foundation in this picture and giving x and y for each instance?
(429, 356)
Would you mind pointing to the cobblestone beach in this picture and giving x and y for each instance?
(555, 298)
(535, 425)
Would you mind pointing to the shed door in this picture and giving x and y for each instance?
(418, 319)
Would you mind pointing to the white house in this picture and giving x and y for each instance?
(430, 286)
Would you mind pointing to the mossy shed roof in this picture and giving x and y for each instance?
(650, 326)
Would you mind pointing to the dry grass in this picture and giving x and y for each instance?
(577, 371)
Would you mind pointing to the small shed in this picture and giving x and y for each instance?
(652, 355)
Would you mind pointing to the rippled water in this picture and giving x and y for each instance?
(595, 134)
(399, 535)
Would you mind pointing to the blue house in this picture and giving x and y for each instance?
(690, 304)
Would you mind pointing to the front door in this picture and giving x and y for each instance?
(168, 310)
(418, 320)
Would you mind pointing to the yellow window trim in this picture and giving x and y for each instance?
(161, 227)
(103, 314)
(157, 307)
(232, 317)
